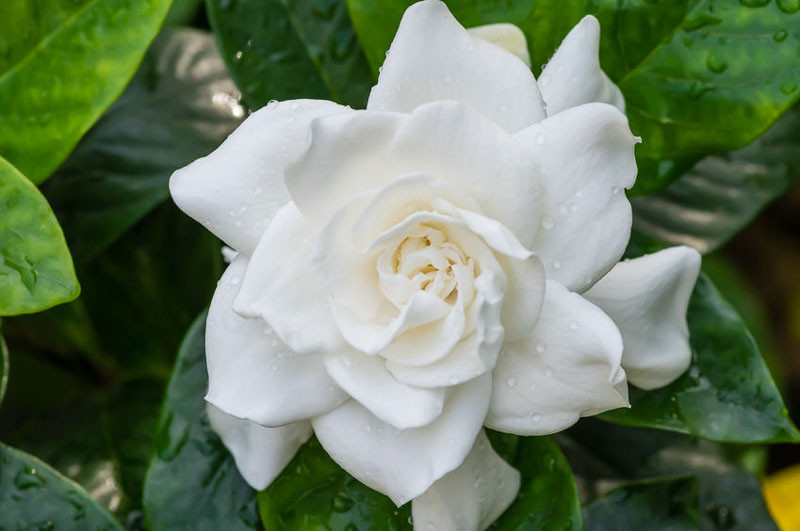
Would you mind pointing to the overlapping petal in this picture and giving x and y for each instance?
(647, 298)
(586, 162)
(470, 497)
(236, 190)
(260, 453)
(252, 374)
(278, 287)
(568, 367)
(573, 76)
(404, 463)
(361, 151)
(433, 58)
(400, 405)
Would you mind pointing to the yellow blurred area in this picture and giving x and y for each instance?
(782, 493)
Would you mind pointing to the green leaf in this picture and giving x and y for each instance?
(313, 492)
(36, 270)
(288, 49)
(722, 194)
(653, 504)
(699, 77)
(727, 394)
(62, 64)
(180, 106)
(606, 455)
(548, 498)
(105, 431)
(3, 368)
(192, 481)
(33, 495)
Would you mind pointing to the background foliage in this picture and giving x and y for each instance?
(103, 99)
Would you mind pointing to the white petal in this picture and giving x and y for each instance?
(350, 154)
(433, 58)
(472, 356)
(525, 295)
(573, 76)
(586, 161)
(236, 190)
(366, 379)
(279, 287)
(568, 367)
(470, 497)
(647, 297)
(507, 36)
(260, 453)
(404, 463)
(252, 374)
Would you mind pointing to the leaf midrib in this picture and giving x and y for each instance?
(67, 22)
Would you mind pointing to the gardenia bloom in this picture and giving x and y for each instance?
(444, 260)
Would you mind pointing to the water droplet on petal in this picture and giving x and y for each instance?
(541, 346)
(548, 223)
(511, 382)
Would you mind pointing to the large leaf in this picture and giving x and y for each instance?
(36, 270)
(548, 498)
(698, 77)
(180, 106)
(722, 194)
(61, 66)
(313, 492)
(605, 456)
(288, 49)
(653, 504)
(727, 394)
(34, 496)
(192, 481)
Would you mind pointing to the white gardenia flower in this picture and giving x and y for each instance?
(444, 260)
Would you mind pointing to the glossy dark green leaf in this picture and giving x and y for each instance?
(698, 77)
(3, 368)
(36, 269)
(654, 504)
(727, 394)
(192, 481)
(548, 498)
(180, 106)
(105, 430)
(313, 492)
(61, 65)
(34, 496)
(289, 49)
(722, 194)
(730, 496)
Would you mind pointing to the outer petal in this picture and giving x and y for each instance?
(567, 368)
(279, 287)
(586, 161)
(404, 463)
(507, 36)
(366, 379)
(260, 453)
(252, 374)
(446, 140)
(470, 497)
(573, 76)
(236, 190)
(647, 297)
(433, 58)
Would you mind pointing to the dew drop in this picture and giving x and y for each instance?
(28, 478)
(235, 280)
(271, 104)
(541, 346)
(346, 361)
(511, 382)
(544, 80)
(556, 264)
(548, 223)
(368, 428)
(780, 36)
(540, 138)
(615, 190)
(573, 325)
(788, 87)
(754, 3)
(537, 417)
(789, 6)
(715, 65)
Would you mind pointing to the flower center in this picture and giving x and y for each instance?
(424, 260)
